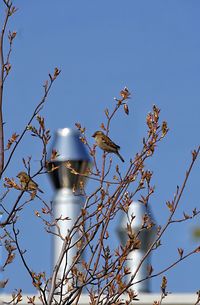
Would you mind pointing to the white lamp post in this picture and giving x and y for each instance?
(66, 204)
(134, 258)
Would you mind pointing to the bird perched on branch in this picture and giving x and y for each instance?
(27, 183)
(105, 143)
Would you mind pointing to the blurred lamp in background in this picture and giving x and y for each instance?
(67, 201)
(146, 237)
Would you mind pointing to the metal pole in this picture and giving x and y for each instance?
(65, 204)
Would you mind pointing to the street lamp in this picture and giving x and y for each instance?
(146, 237)
(67, 203)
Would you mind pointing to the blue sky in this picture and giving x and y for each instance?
(153, 48)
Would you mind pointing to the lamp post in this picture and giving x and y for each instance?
(134, 258)
(66, 204)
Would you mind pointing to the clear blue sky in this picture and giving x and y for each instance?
(153, 48)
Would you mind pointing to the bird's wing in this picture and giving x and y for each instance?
(111, 143)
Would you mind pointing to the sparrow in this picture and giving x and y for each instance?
(27, 183)
(105, 143)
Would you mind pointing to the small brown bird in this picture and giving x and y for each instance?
(27, 183)
(105, 143)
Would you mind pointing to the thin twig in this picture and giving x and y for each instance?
(36, 111)
(2, 87)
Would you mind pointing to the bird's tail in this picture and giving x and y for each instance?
(120, 156)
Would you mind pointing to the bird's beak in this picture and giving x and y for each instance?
(93, 135)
